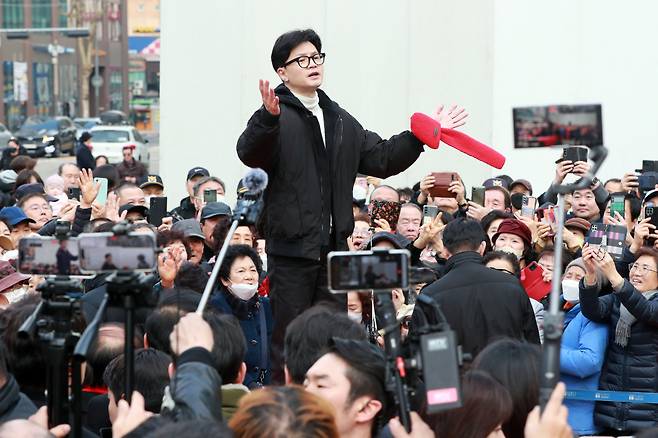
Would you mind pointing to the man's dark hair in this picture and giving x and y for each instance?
(612, 180)
(22, 162)
(124, 186)
(462, 235)
(230, 346)
(366, 370)
(507, 197)
(21, 202)
(191, 276)
(502, 255)
(220, 232)
(151, 376)
(109, 172)
(288, 41)
(406, 192)
(103, 351)
(166, 237)
(309, 335)
(238, 251)
(160, 323)
(205, 180)
(193, 429)
(25, 177)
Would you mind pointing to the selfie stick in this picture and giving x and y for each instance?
(246, 212)
(553, 321)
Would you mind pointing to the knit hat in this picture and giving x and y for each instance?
(576, 262)
(516, 227)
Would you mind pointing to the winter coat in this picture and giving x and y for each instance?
(631, 368)
(133, 169)
(84, 157)
(247, 313)
(7, 158)
(581, 357)
(14, 404)
(480, 304)
(308, 201)
(80, 219)
(186, 210)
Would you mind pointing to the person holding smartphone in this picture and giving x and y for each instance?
(312, 150)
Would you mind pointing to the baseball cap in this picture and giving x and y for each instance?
(495, 182)
(398, 241)
(650, 195)
(132, 207)
(189, 228)
(14, 216)
(151, 180)
(213, 209)
(27, 189)
(524, 182)
(196, 171)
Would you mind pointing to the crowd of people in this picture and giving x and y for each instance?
(275, 354)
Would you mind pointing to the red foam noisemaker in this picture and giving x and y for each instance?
(429, 131)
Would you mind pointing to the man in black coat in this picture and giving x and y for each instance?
(312, 150)
(13, 403)
(83, 155)
(13, 150)
(480, 304)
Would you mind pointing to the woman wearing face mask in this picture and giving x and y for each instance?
(631, 314)
(515, 237)
(13, 286)
(237, 296)
(582, 353)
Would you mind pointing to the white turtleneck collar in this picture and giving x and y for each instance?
(313, 105)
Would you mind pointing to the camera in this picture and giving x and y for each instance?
(87, 254)
(428, 347)
(648, 177)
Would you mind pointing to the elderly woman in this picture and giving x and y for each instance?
(515, 237)
(238, 296)
(631, 313)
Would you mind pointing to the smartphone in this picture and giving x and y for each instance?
(74, 193)
(48, 256)
(541, 213)
(529, 206)
(387, 210)
(106, 252)
(157, 210)
(617, 205)
(532, 280)
(102, 191)
(209, 195)
(477, 195)
(651, 211)
(377, 270)
(575, 153)
(430, 212)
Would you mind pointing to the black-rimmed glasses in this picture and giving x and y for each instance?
(305, 61)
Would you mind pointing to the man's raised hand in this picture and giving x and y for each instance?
(451, 118)
(270, 99)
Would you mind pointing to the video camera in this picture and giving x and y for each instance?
(428, 348)
(648, 177)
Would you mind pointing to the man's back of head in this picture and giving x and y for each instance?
(309, 335)
(230, 347)
(461, 235)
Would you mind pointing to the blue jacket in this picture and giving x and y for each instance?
(247, 313)
(583, 351)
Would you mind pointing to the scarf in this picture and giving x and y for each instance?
(626, 320)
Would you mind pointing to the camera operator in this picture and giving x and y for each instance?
(480, 304)
(351, 376)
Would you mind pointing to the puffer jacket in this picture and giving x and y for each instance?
(631, 368)
(308, 201)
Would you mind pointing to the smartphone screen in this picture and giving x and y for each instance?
(617, 205)
(529, 206)
(48, 256)
(102, 191)
(105, 252)
(430, 212)
(74, 193)
(157, 210)
(209, 195)
(360, 270)
(477, 195)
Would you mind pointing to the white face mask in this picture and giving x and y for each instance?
(359, 192)
(570, 290)
(16, 294)
(244, 291)
(517, 252)
(9, 255)
(355, 316)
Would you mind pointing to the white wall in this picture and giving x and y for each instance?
(385, 60)
(585, 51)
(389, 58)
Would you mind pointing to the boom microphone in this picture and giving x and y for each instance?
(429, 131)
(255, 180)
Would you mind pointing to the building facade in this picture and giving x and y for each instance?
(28, 69)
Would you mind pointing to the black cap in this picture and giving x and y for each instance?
(151, 180)
(132, 207)
(196, 171)
(85, 136)
(27, 189)
(399, 242)
(213, 209)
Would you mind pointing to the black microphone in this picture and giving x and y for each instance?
(255, 180)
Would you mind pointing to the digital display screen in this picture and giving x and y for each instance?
(552, 125)
(368, 270)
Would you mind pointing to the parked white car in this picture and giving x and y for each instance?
(109, 140)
